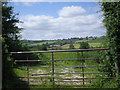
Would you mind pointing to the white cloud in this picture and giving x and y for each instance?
(72, 22)
(71, 11)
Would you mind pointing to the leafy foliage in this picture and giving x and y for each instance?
(10, 42)
(71, 46)
(10, 32)
(84, 45)
(42, 47)
(112, 23)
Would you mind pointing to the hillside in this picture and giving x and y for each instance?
(64, 43)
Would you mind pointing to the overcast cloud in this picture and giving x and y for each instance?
(72, 22)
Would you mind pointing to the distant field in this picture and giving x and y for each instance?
(49, 42)
(92, 45)
(91, 41)
(96, 43)
(81, 41)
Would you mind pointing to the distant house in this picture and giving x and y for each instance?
(91, 38)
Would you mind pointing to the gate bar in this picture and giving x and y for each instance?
(65, 66)
(58, 60)
(70, 78)
(69, 73)
(72, 81)
(72, 50)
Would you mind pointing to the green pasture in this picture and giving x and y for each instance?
(96, 41)
(49, 42)
(91, 41)
(84, 40)
(92, 45)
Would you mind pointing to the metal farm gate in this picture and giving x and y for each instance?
(82, 81)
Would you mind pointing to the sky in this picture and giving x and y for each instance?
(58, 20)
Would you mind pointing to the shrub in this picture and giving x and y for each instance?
(84, 45)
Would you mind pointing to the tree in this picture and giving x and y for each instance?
(111, 14)
(10, 32)
(86, 37)
(47, 45)
(81, 38)
(41, 47)
(84, 45)
(61, 44)
(10, 42)
(71, 46)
